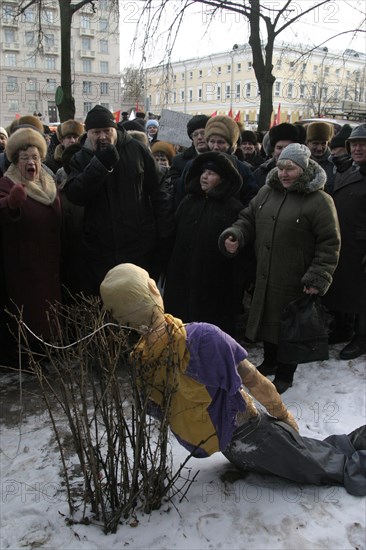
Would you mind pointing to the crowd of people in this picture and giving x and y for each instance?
(235, 226)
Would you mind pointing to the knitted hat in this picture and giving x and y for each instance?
(357, 133)
(70, 127)
(30, 120)
(298, 153)
(223, 126)
(283, 132)
(152, 122)
(197, 122)
(99, 117)
(24, 138)
(3, 132)
(321, 131)
(250, 136)
(164, 147)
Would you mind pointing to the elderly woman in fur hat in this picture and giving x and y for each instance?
(294, 226)
(30, 218)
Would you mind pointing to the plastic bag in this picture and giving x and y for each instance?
(304, 329)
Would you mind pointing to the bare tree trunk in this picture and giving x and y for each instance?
(66, 103)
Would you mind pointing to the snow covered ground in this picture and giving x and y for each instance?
(255, 512)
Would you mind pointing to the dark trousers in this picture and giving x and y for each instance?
(285, 371)
(266, 445)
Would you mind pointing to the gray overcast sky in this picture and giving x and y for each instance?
(228, 29)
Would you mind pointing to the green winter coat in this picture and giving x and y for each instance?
(297, 242)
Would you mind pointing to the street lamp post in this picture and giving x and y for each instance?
(232, 52)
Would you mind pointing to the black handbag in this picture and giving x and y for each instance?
(304, 329)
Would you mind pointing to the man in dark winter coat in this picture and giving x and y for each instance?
(279, 137)
(126, 214)
(196, 132)
(318, 136)
(249, 142)
(347, 294)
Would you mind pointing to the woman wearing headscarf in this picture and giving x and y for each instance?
(30, 218)
(294, 226)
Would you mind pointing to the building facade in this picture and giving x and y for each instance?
(307, 84)
(30, 68)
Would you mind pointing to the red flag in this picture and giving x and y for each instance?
(278, 118)
(137, 106)
(117, 115)
(237, 117)
(230, 113)
(214, 114)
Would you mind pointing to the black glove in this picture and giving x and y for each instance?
(108, 155)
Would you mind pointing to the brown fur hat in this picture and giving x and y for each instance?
(321, 131)
(70, 127)
(140, 136)
(164, 147)
(223, 125)
(31, 121)
(25, 137)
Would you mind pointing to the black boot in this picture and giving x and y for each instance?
(269, 363)
(357, 345)
(341, 328)
(284, 376)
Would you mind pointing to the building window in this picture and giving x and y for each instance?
(313, 91)
(31, 84)
(182, 95)
(86, 65)
(88, 105)
(104, 67)
(105, 105)
(51, 85)
(324, 92)
(85, 43)
(85, 22)
(11, 84)
(190, 95)
(200, 74)
(218, 70)
(238, 68)
(190, 75)
(174, 97)
(182, 76)
(199, 94)
(227, 91)
(250, 65)
(9, 35)
(87, 87)
(337, 72)
(13, 105)
(277, 89)
(103, 25)
(10, 59)
(29, 16)
(30, 38)
(104, 88)
(237, 90)
(48, 17)
(228, 69)
(49, 40)
(174, 78)
(32, 106)
(290, 90)
(103, 46)
(247, 89)
(50, 62)
(302, 91)
(326, 71)
(315, 69)
(218, 95)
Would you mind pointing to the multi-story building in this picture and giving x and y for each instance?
(307, 84)
(30, 69)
